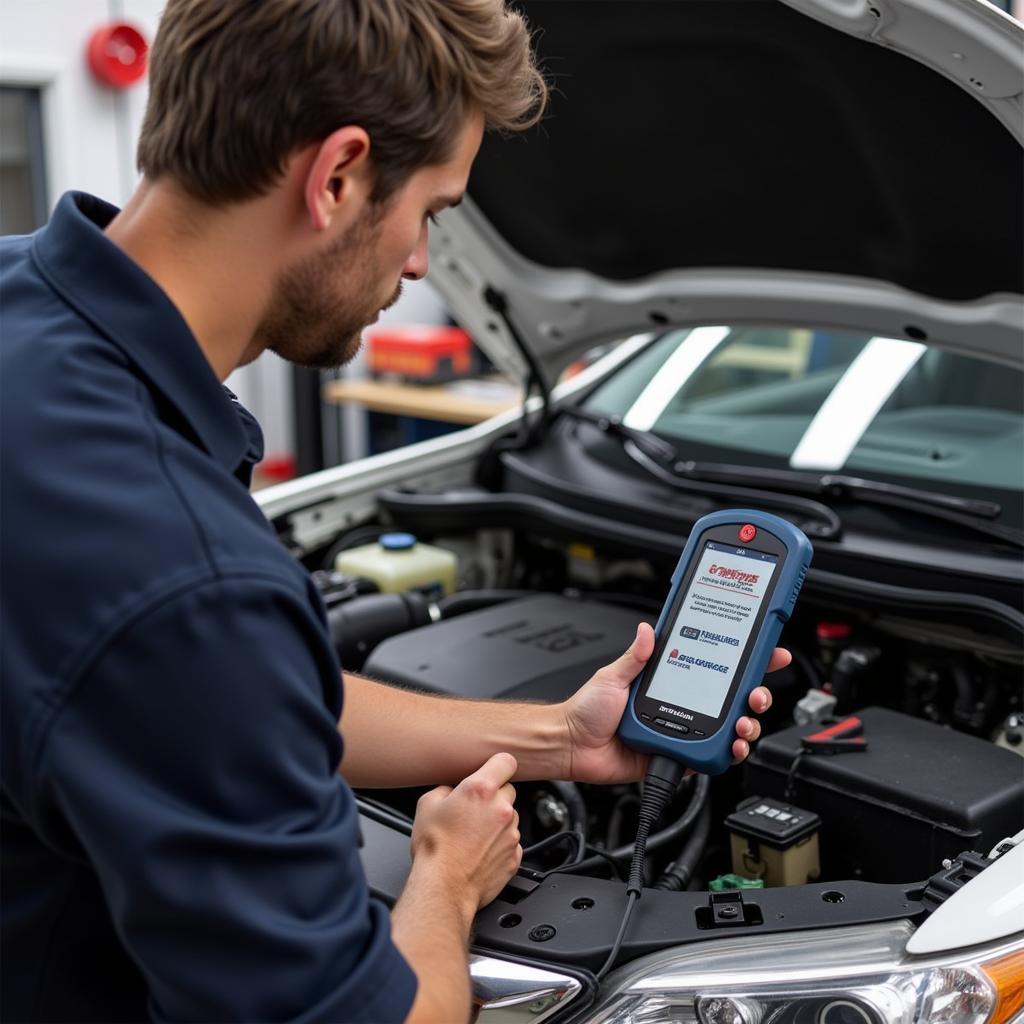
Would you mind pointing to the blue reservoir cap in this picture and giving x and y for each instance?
(397, 541)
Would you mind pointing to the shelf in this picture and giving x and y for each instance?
(463, 401)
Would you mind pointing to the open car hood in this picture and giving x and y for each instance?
(852, 164)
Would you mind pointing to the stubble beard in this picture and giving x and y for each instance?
(307, 321)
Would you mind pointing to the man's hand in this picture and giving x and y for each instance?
(592, 716)
(465, 847)
(469, 835)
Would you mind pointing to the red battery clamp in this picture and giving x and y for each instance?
(843, 737)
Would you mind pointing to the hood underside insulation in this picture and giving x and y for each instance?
(740, 133)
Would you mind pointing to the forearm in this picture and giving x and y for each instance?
(396, 737)
(430, 926)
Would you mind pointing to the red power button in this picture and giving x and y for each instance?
(747, 533)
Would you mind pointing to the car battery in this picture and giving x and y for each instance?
(425, 354)
(892, 811)
(774, 842)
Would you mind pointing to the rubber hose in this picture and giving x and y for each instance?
(616, 816)
(701, 789)
(357, 626)
(677, 875)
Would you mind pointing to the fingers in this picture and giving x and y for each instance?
(471, 833)
(625, 669)
(748, 728)
(780, 659)
(433, 796)
(643, 644)
(493, 774)
(760, 700)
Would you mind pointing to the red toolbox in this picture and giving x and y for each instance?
(427, 354)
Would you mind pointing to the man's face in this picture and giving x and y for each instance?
(322, 302)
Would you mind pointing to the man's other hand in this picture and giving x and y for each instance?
(592, 717)
(470, 834)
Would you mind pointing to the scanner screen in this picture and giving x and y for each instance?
(706, 642)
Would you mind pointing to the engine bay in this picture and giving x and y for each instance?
(530, 617)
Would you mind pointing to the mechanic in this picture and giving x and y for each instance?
(177, 841)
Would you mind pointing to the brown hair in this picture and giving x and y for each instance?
(236, 86)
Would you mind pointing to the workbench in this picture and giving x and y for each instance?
(458, 402)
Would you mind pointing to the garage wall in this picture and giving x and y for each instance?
(89, 135)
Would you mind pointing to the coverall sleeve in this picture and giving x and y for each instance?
(195, 765)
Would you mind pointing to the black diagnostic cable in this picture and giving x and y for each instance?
(660, 784)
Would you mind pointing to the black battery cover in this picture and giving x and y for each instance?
(920, 793)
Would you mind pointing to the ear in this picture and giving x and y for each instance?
(339, 175)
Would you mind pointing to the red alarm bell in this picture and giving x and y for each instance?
(116, 54)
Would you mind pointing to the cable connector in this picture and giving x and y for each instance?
(660, 785)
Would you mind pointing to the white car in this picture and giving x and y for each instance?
(795, 233)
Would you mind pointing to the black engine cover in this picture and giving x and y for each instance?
(541, 647)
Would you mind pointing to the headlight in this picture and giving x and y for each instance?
(856, 975)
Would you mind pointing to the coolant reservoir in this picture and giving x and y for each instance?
(399, 562)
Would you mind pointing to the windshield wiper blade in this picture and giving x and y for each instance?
(650, 444)
(781, 487)
(658, 457)
(973, 513)
(836, 485)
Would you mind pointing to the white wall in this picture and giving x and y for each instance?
(90, 133)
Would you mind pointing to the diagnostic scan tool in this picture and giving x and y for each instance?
(733, 590)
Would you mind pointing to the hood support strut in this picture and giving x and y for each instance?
(535, 380)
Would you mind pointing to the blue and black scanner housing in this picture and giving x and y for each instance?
(733, 590)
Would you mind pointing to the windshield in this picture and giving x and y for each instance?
(826, 401)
